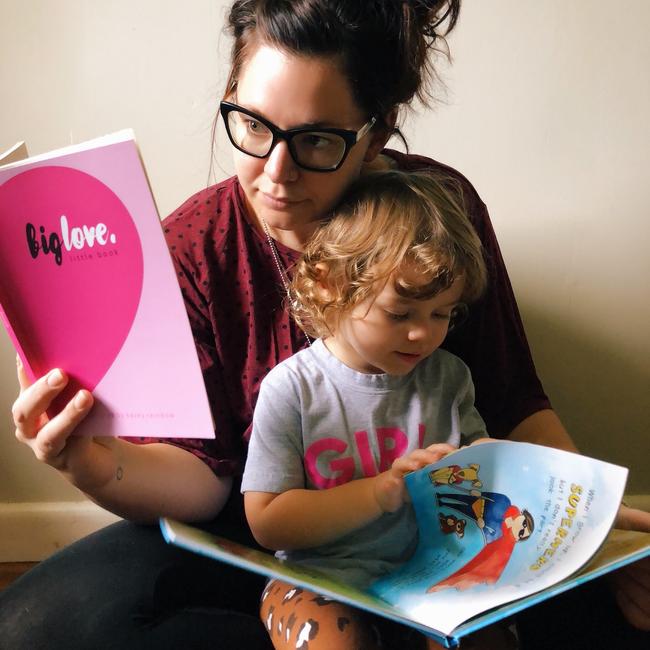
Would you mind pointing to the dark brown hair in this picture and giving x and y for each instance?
(384, 46)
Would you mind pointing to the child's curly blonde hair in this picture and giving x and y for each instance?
(385, 220)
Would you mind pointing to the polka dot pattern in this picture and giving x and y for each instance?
(234, 300)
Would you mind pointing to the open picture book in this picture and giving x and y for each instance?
(501, 526)
(88, 285)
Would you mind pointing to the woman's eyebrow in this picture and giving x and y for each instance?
(304, 125)
(315, 125)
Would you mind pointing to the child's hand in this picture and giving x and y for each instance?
(478, 441)
(390, 490)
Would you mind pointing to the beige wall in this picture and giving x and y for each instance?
(546, 112)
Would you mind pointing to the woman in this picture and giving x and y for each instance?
(314, 74)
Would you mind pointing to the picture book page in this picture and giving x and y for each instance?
(498, 521)
(219, 548)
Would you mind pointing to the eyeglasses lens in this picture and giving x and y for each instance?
(318, 150)
(248, 134)
(312, 149)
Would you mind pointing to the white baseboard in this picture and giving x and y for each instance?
(30, 532)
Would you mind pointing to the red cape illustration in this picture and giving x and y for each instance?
(487, 566)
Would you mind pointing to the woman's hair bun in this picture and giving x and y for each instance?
(436, 18)
(386, 48)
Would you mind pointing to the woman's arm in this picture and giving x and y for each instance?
(133, 481)
(543, 428)
(154, 480)
(632, 584)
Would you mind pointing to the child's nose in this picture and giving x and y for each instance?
(420, 332)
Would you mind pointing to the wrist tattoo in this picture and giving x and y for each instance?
(120, 473)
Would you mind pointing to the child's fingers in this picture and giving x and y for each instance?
(480, 441)
(433, 453)
(404, 465)
(441, 449)
(418, 459)
(425, 456)
(389, 490)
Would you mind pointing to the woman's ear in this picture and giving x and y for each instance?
(380, 136)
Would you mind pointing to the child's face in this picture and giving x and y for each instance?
(388, 333)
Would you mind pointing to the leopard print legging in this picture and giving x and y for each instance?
(297, 619)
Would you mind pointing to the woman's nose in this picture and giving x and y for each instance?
(279, 166)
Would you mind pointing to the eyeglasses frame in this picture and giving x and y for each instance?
(349, 137)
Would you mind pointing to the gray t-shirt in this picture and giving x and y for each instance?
(318, 424)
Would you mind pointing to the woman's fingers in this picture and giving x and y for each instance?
(46, 437)
(52, 439)
(632, 591)
(632, 519)
(29, 409)
(23, 380)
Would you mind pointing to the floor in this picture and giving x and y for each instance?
(12, 570)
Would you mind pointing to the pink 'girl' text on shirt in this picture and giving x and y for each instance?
(341, 462)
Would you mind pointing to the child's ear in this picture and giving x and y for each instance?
(324, 290)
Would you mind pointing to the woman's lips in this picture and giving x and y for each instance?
(278, 203)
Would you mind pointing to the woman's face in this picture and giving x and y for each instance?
(292, 91)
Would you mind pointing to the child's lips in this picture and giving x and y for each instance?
(409, 356)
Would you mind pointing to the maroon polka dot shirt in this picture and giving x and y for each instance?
(234, 298)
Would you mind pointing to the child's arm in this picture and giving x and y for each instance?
(300, 518)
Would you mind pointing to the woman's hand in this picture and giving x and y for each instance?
(631, 587)
(390, 490)
(632, 519)
(86, 463)
(631, 584)
(138, 482)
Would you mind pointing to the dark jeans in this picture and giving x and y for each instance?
(585, 618)
(125, 588)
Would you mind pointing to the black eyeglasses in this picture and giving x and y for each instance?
(317, 150)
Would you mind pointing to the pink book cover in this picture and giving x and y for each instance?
(87, 284)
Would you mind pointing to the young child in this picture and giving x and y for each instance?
(339, 424)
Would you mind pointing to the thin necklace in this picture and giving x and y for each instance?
(279, 266)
